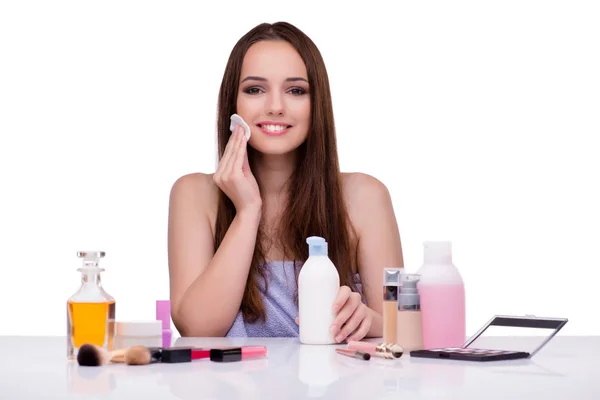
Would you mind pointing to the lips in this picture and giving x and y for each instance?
(273, 128)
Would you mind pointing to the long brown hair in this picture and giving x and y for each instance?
(316, 205)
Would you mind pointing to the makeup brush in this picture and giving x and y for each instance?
(141, 355)
(383, 350)
(354, 354)
(91, 355)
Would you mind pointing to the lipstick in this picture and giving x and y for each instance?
(383, 350)
(174, 355)
(199, 354)
(238, 353)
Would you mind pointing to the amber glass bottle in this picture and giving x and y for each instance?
(90, 311)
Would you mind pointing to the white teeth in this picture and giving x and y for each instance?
(274, 128)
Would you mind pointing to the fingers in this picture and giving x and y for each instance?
(224, 159)
(347, 302)
(239, 154)
(361, 331)
(341, 298)
(230, 144)
(351, 323)
(235, 141)
(224, 163)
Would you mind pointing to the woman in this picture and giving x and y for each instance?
(237, 238)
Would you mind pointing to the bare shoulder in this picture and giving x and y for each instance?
(363, 190)
(198, 186)
(197, 191)
(371, 213)
(195, 183)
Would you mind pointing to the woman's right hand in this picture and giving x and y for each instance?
(234, 177)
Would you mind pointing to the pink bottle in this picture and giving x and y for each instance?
(442, 297)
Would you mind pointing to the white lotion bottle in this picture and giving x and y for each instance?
(318, 287)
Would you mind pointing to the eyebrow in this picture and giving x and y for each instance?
(260, 78)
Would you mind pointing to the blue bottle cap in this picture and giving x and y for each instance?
(317, 246)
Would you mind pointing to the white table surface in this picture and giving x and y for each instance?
(37, 368)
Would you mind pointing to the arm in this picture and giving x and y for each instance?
(371, 211)
(200, 278)
(379, 245)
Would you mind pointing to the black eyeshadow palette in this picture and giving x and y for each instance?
(466, 353)
(469, 354)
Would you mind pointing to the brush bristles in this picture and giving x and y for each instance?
(137, 355)
(90, 355)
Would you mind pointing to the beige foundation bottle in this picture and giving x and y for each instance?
(410, 321)
(391, 280)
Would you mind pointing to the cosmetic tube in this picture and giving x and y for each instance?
(391, 280)
(410, 320)
(238, 353)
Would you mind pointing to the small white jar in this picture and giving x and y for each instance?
(132, 333)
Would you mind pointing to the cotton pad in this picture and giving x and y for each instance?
(237, 120)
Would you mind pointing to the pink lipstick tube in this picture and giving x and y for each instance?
(382, 350)
(238, 353)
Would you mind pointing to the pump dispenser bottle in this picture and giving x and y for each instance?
(90, 311)
(391, 280)
(410, 320)
(318, 287)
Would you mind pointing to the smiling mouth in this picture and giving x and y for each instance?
(274, 128)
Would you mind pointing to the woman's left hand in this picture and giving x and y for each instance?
(353, 318)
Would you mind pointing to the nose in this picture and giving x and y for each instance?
(275, 104)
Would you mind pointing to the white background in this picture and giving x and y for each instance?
(481, 118)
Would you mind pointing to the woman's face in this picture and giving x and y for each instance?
(273, 97)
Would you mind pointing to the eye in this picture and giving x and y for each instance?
(252, 90)
(297, 91)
